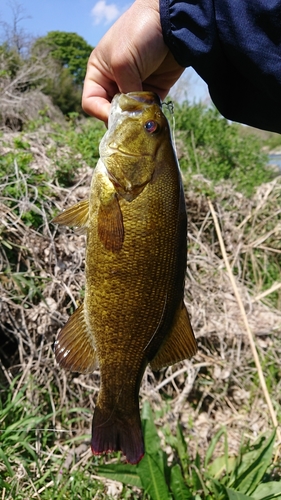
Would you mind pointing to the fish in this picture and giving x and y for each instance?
(133, 312)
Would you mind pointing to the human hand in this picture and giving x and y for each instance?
(132, 56)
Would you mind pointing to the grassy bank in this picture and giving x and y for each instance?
(207, 411)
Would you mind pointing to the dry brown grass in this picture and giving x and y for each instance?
(21, 96)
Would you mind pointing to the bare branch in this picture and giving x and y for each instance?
(13, 35)
(21, 85)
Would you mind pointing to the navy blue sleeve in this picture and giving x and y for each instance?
(235, 46)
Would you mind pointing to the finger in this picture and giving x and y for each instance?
(96, 106)
(126, 75)
(96, 97)
(97, 94)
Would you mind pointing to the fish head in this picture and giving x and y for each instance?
(137, 135)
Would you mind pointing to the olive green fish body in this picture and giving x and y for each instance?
(133, 313)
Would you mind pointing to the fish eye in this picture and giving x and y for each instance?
(151, 126)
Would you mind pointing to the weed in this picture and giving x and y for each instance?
(86, 140)
(222, 478)
(214, 148)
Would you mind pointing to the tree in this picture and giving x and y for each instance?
(68, 53)
(63, 91)
(70, 50)
(40, 75)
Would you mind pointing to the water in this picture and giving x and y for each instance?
(275, 159)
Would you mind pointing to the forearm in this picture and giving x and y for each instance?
(236, 48)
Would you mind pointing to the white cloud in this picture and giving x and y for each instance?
(104, 13)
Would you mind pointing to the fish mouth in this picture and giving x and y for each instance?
(133, 102)
(116, 149)
(137, 100)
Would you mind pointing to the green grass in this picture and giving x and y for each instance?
(215, 148)
(33, 455)
(247, 476)
(35, 459)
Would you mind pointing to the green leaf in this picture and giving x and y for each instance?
(182, 448)
(236, 495)
(152, 477)
(268, 491)
(248, 480)
(125, 473)
(29, 449)
(151, 438)
(177, 484)
(217, 489)
(219, 465)
(5, 459)
(213, 444)
(197, 478)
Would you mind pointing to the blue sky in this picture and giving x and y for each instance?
(89, 18)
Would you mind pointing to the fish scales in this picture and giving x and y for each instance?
(133, 311)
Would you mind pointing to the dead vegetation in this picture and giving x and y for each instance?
(21, 96)
(220, 385)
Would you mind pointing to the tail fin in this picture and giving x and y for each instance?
(116, 434)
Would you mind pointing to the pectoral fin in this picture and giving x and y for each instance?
(180, 343)
(77, 215)
(74, 347)
(110, 224)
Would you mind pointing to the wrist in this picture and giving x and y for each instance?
(149, 6)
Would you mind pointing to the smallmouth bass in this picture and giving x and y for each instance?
(133, 313)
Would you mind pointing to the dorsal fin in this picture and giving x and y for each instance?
(179, 344)
(74, 347)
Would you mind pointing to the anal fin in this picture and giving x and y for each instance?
(179, 344)
(74, 347)
(77, 215)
